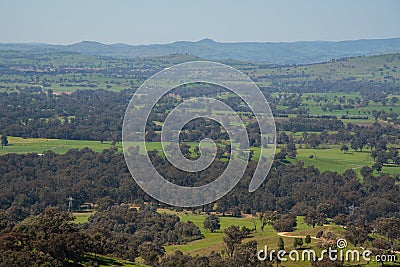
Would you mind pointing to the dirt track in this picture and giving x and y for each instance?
(287, 234)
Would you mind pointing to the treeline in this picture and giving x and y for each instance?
(82, 115)
(303, 124)
(372, 90)
(360, 137)
(30, 183)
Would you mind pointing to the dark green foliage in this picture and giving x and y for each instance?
(179, 259)
(327, 262)
(96, 115)
(390, 229)
(344, 148)
(357, 233)
(285, 223)
(307, 240)
(50, 238)
(319, 234)
(31, 183)
(4, 140)
(120, 231)
(317, 217)
(297, 242)
(212, 223)
(151, 252)
(233, 238)
(103, 178)
(267, 218)
(281, 244)
(82, 174)
(301, 124)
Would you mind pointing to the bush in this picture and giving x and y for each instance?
(319, 234)
(286, 223)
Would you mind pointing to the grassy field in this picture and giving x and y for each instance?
(315, 108)
(378, 68)
(324, 158)
(82, 217)
(211, 241)
(40, 145)
(335, 98)
(332, 159)
(214, 241)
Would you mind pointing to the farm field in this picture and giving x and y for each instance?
(316, 109)
(340, 99)
(40, 145)
(332, 159)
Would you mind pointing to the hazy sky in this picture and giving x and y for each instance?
(163, 21)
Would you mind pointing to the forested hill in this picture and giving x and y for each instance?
(271, 52)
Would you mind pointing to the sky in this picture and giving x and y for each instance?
(165, 21)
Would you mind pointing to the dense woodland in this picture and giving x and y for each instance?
(33, 182)
(90, 115)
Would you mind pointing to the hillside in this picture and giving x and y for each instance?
(269, 52)
(377, 68)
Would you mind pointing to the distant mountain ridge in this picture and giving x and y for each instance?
(301, 52)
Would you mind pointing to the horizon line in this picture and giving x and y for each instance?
(192, 41)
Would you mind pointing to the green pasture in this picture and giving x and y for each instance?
(330, 158)
(214, 241)
(40, 145)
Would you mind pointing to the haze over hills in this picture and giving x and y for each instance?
(301, 52)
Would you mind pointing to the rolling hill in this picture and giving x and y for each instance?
(268, 52)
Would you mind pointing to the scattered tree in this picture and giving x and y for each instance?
(4, 140)
(307, 240)
(212, 223)
(344, 148)
(297, 242)
(233, 237)
(281, 244)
